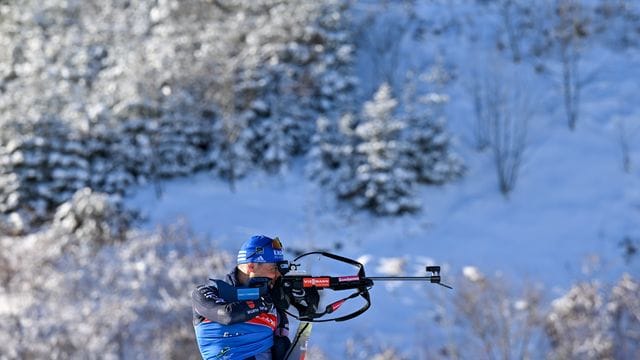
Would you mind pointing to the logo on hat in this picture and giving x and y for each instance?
(261, 249)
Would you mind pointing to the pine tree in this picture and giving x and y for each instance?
(137, 146)
(291, 71)
(325, 154)
(384, 184)
(108, 171)
(143, 96)
(183, 137)
(91, 220)
(230, 155)
(42, 166)
(268, 144)
(429, 153)
(343, 184)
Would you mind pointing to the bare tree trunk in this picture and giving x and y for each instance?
(512, 36)
(481, 123)
(623, 139)
(508, 117)
(385, 47)
(570, 31)
(570, 83)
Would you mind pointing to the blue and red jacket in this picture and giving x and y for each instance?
(251, 329)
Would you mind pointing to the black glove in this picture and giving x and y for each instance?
(306, 301)
(279, 297)
(265, 304)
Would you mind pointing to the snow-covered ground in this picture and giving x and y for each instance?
(571, 207)
(562, 224)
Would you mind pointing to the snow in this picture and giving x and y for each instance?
(557, 221)
(393, 266)
(472, 273)
(572, 205)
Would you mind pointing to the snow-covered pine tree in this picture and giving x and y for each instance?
(292, 69)
(229, 155)
(174, 154)
(202, 138)
(325, 153)
(266, 83)
(349, 157)
(42, 166)
(91, 220)
(332, 159)
(165, 140)
(75, 60)
(107, 166)
(429, 153)
(183, 137)
(83, 59)
(267, 143)
(384, 184)
(66, 161)
(334, 68)
(137, 127)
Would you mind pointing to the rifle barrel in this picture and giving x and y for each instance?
(433, 279)
(403, 278)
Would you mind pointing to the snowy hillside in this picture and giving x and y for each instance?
(141, 144)
(564, 222)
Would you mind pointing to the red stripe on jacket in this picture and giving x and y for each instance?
(268, 320)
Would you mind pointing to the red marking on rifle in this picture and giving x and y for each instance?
(337, 304)
(348, 278)
(317, 282)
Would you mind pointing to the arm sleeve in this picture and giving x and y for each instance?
(207, 302)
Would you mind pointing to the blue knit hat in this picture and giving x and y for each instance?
(260, 249)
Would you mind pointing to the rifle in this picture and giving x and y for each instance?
(302, 290)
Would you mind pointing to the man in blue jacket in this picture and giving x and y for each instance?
(234, 328)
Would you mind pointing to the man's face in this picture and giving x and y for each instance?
(269, 270)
